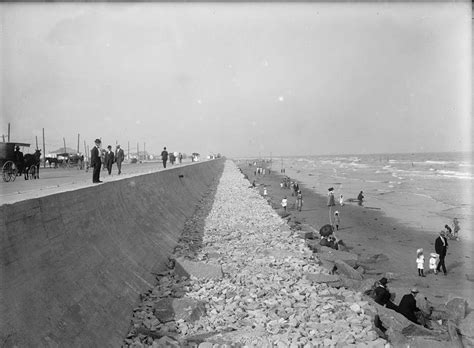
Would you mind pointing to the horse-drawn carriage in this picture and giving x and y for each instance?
(66, 160)
(14, 163)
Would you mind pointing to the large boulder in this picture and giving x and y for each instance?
(184, 267)
(456, 309)
(330, 254)
(172, 309)
(347, 270)
(376, 258)
(322, 278)
(466, 326)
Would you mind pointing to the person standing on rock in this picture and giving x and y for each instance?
(441, 247)
(119, 157)
(96, 162)
(407, 306)
(164, 156)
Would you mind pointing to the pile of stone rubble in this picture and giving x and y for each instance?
(251, 282)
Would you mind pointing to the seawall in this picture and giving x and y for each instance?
(74, 263)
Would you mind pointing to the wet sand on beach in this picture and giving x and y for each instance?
(369, 231)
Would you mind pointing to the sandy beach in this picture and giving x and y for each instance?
(369, 231)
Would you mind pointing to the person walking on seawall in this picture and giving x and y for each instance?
(164, 156)
(180, 157)
(441, 247)
(119, 157)
(96, 162)
(109, 159)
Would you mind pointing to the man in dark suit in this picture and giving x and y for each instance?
(441, 247)
(96, 162)
(164, 156)
(119, 157)
(109, 159)
(382, 296)
(407, 306)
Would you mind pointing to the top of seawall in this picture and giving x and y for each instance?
(73, 263)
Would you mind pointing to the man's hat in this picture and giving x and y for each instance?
(383, 281)
(98, 141)
(118, 146)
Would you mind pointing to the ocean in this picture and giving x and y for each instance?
(423, 190)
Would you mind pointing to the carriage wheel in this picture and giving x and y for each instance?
(9, 171)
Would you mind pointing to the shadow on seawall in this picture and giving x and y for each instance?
(74, 263)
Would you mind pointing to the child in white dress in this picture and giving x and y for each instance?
(284, 203)
(434, 262)
(420, 262)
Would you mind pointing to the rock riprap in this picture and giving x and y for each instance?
(272, 292)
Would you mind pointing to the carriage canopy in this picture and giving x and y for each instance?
(7, 150)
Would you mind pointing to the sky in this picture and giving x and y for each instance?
(239, 79)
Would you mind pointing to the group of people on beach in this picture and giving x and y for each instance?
(437, 259)
(407, 306)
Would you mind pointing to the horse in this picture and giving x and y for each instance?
(52, 160)
(32, 161)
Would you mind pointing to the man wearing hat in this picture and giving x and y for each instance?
(441, 247)
(96, 162)
(19, 159)
(382, 296)
(408, 307)
(119, 157)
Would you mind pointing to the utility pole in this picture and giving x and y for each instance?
(8, 131)
(78, 136)
(44, 152)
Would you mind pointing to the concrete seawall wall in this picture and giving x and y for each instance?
(74, 263)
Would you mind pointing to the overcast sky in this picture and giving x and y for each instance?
(240, 79)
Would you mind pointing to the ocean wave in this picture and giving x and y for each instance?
(455, 174)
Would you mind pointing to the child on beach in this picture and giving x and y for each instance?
(456, 227)
(341, 200)
(265, 192)
(284, 203)
(420, 262)
(434, 262)
(337, 220)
